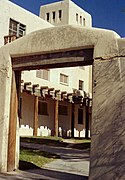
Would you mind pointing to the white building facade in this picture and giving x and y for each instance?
(77, 81)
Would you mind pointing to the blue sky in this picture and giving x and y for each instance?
(107, 14)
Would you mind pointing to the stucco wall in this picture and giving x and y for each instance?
(27, 115)
(10, 10)
(69, 10)
(73, 10)
(49, 8)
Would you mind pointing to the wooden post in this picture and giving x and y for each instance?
(87, 120)
(56, 120)
(35, 123)
(72, 120)
(12, 125)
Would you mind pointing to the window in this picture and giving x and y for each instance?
(81, 20)
(77, 17)
(64, 78)
(84, 22)
(60, 14)
(81, 85)
(42, 108)
(43, 74)
(63, 110)
(16, 28)
(54, 15)
(47, 16)
(80, 116)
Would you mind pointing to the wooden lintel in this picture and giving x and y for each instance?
(70, 58)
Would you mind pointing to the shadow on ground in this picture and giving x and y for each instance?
(52, 174)
(47, 174)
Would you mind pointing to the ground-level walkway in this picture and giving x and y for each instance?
(73, 165)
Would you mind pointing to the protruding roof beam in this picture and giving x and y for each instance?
(43, 88)
(49, 90)
(34, 87)
(62, 94)
(26, 84)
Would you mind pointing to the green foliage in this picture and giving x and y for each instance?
(30, 157)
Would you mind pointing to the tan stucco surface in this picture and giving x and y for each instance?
(66, 37)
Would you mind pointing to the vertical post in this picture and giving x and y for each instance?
(72, 120)
(11, 163)
(87, 120)
(56, 120)
(35, 123)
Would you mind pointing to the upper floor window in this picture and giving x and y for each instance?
(42, 108)
(77, 17)
(64, 78)
(47, 16)
(43, 74)
(54, 15)
(16, 28)
(81, 85)
(84, 22)
(81, 20)
(60, 14)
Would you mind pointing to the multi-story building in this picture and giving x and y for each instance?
(70, 83)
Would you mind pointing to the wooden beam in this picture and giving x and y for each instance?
(26, 84)
(12, 126)
(69, 58)
(72, 120)
(34, 87)
(49, 90)
(35, 124)
(42, 88)
(62, 94)
(56, 92)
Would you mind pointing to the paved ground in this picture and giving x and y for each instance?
(73, 165)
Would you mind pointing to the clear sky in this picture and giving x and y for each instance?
(107, 14)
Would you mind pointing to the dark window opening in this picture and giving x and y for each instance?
(80, 116)
(60, 14)
(84, 22)
(77, 17)
(54, 15)
(42, 108)
(47, 16)
(63, 110)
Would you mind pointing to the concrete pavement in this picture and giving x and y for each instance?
(72, 160)
(73, 165)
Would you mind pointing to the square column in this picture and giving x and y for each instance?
(56, 118)
(35, 122)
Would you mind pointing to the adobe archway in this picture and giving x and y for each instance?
(108, 88)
